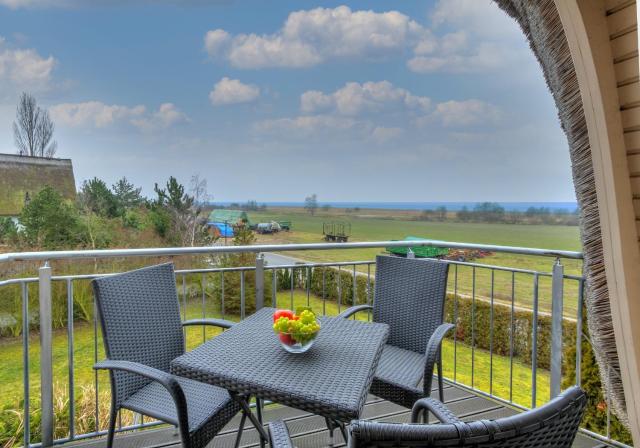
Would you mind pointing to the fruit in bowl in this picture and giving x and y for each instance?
(296, 331)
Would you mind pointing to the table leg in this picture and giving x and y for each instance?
(259, 404)
(246, 410)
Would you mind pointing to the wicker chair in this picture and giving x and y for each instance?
(409, 297)
(140, 319)
(553, 425)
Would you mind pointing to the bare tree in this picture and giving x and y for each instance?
(198, 190)
(33, 129)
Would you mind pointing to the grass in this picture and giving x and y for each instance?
(308, 229)
(11, 389)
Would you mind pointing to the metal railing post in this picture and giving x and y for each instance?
(259, 281)
(557, 287)
(46, 355)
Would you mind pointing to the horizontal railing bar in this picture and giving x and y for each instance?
(18, 281)
(150, 252)
(319, 264)
(90, 435)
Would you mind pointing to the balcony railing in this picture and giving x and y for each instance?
(541, 310)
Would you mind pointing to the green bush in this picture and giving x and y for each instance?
(51, 222)
(479, 334)
(8, 231)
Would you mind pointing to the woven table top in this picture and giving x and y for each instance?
(331, 379)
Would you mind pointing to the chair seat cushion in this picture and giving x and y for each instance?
(400, 366)
(203, 402)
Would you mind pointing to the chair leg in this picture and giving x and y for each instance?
(240, 429)
(113, 416)
(330, 427)
(440, 379)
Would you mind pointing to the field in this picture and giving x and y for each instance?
(393, 225)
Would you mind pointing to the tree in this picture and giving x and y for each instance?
(176, 214)
(126, 195)
(173, 196)
(489, 212)
(463, 214)
(441, 213)
(96, 197)
(197, 228)
(50, 222)
(33, 129)
(311, 204)
(426, 215)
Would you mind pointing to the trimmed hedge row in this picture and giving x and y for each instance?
(475, 323)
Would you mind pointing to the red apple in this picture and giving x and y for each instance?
(283, 313)
(286, 339)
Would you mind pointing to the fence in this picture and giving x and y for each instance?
(519, 330)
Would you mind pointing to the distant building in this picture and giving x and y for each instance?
(22, 177)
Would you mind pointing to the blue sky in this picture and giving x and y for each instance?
(354, 101)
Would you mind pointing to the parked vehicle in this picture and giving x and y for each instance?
(336, 231)
(268, 227)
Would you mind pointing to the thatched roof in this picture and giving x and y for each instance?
(21, 176)
(541, 24)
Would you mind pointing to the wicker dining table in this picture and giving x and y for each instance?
(331, 380)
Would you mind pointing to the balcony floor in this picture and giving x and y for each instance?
(309, 431)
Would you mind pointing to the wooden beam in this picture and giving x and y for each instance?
(593, 56)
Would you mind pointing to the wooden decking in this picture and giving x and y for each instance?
(309, 431)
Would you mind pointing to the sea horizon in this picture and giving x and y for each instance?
(451, 206)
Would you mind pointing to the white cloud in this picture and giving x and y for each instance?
(93, 113)
(309, 124)
(485, 40)
(232, 91)
(215, 41)
(481, 17)
(99, 115)
(23, 68)
(166, 116)
(310, 37)
(355, 98)
(463, 114)
(383, 134)
(15, 4)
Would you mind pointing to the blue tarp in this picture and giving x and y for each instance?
(224, 229)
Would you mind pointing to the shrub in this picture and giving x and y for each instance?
(8, 230)
(51, 222)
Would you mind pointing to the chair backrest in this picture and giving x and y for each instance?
(140, 319)
(409, 297)
(553, 425)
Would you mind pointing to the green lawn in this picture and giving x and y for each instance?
(11, 389)
(308, 229)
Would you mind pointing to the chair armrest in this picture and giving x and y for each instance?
(353, 310)
(164, 378)
(432, 352)
(437, 408)
(222, 323)
(279, 435)
(167, 380)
